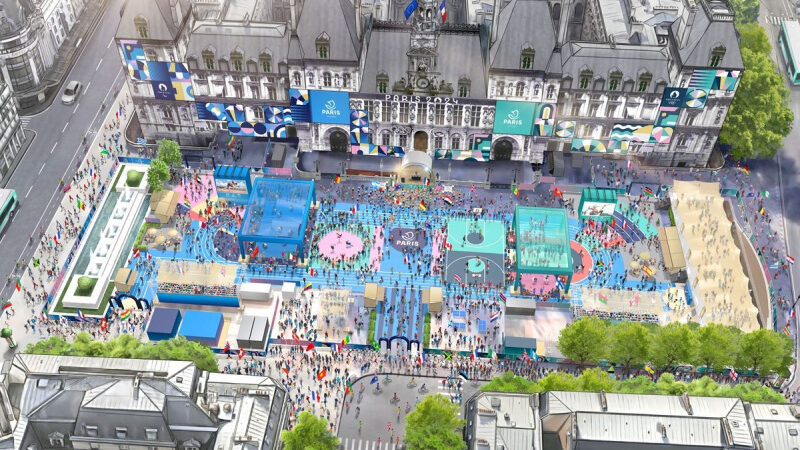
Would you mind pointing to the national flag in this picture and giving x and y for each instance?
(149, 256)
(58, 233)
(80, 204)
(255, 253)
(600, 263)
(762, 211)
(103, 324)
(613, 223)
(337, 179)
(503, 297)
(7, 306)
(295, 337)
(463, 375)
(136, 253)
(92, 174)
(474, 354)
(67, 188)
(447, 199)
(765, 193)
(559, 283)
(648, 270)
(492, 354)
(227, 347)
(494, 317)
(515, 190)
(457, 278)
(80, 314)
(472, 188)
(649, 370)
(307, 287)
(335, 348)
(422, 205)
(786, 330)
(734, 375)
(321, 374)
(405, 259)
(180, 269)
(375, 345)
(603, 299)
(310, 346)
(411, 8)
(629, 164)
(442, 12)
(197, 178)
(346, 340)
(421, 358)
(347, 388)
(241, 353)
(187, 203)
(534, 355)
(624, 224)
(649, 192)
(18, 285)
(746, 170)
(447, 356)
(35, 262)
(286, 368)
(557, 193)
(789, 259)
(427, 181)
(374, 379)
(231, 141)
(125, 315)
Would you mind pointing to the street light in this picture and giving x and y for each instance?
(5, 333)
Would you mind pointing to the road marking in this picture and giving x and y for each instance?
(54, 145)
(110, 42)
(87, 85)
(98, 64)
(65, 127)
(41, 169)
(29, 191)
(76, 108)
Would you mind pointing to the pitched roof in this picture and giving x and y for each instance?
(159, 19)
(631, 60)
(523, 23)
(251, 40)
(706, 35)
(334, 18)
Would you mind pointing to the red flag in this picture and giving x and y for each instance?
(295, 337)
(321, 374)
(310, 346)
(255, 252)
(241, 353)
(103, 324)
(202, 224)
(557, 193)
(227, 347)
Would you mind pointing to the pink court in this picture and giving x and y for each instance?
(344, 243)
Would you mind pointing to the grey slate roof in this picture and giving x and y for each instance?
(631, 60)
(158, 15)
(459, 56)
(336, 18)
(250, 40)
(522, 23)
(704, 36)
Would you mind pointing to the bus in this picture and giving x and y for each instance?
(789, 43)
(8, 207)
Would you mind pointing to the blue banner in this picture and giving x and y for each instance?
(411, 8)
(330, 107)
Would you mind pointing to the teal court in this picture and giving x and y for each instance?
(477, 254)
(482, 236)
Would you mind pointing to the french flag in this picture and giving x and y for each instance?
(494, 317)
(457, 278)
(474, 354)
(81, 315)
(442, 11)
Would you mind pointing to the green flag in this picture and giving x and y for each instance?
(375, 345)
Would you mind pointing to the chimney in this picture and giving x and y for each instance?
(495, 17)
(359, 24)
(136, 386)
(177, 14)
(293, 14)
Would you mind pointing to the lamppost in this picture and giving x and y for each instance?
(6, 333)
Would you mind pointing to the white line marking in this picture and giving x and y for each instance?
(29, 191)
(98, 64)
(41, 169)
(76, 108)
(65, 127)
(87, 85)
(110, 42)
(54, 145)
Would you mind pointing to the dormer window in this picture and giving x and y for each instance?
(586, 78)
(716, 56)
(141, 27)
(644, 82)
(323, 44)
(265, 61)
(237, 61)
(464, 87)
(382, 82)
(526, 58)
(614, 80)
(208, 59)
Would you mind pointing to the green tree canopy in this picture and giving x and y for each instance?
(584, 341)
(559, 381)
(310, 433)
(759, 117)
(157, 175)
(717, 345)
(763, 351)
(753, 37)
(675, 343)
(434, 424)
(508, 382)
(746, 10)
(595, 380)
(128, 347)
(630, 344)
(170, 152)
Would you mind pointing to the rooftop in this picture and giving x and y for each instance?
(277, 210)
(542, 240)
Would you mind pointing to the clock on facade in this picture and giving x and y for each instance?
(423, 83)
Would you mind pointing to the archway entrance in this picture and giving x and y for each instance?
(338, 141)
(421, 141)
(503, 149)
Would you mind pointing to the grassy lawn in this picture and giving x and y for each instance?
(426, 337)
(373, 317)
(119, 174)
(671, 217)
(85, 286)
(142, 231)
(60, 309)
(134, 178)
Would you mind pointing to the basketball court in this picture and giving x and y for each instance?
(478, 252)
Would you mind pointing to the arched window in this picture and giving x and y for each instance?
(644, 82)
(265, 62)
(150, 54)
(338, 141)
(716, 56)
(520, 89)
(464, 87)
(237, 61)
(382, 82)
(311, 78)
(551, 91)
(326, 79)
(296, 78)
(586, 78)
(501, 88)
(208, 59)
(141, 27)
(614, 79)
(323, 44)
(536, 89)
(557, 11)
(346, 80)
(577, 12)
(526, 58)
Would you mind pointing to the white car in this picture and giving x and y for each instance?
(71, 92)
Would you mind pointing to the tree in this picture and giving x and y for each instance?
(595, 380)
(508, 382)
(672, 344)
(559, 381)
(753, 37)
(434, 424)
(157, 175)
(763, 351)
(310, 433)
(667, 385)
(759, 117)
(170, 152)
(637, 385)
(716, 345)
(630, 344)
(746, 11)
(584, 340)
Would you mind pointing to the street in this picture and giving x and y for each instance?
(54, 152)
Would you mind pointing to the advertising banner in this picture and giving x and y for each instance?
(233, 187)
(278, 115)
(377, 150)
(300, 104)
(463, 155)
(673, 97)
(588, 145)
(544, 119)
(565, 128)
(359, 127)
(482, 142)
(714, 79)
(631, 132)
(695, 98)
(330, 107)
(513, 117)
(598, 209)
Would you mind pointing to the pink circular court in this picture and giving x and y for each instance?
(340, 245)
